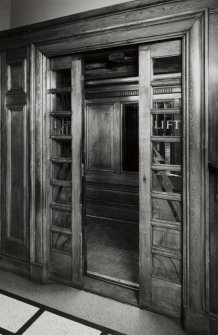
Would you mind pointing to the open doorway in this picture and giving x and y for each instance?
(111, 211)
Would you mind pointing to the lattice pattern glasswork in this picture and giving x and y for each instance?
(168, 210)
(167, 153)
(167, 181)
(166, 125)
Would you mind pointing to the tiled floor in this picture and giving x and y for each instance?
(21, 316)
(54, 309)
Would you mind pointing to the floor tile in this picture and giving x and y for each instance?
(14, 314)
(108, 313)
(51, 324)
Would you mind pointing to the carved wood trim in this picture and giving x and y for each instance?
(39, 169)
(9, 191)
(195, 232)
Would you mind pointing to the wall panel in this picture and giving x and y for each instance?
(15, 155)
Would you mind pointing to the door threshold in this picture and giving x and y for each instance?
(111, 289)
(113, 280)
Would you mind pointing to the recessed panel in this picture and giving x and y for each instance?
(62, 171)
(16, 76)
(61, 219)
(62, 195)
(167, 210)
(61, 242)
(17, 174)
(167, 65)
(100, 136)
(166, 238)
(168, 268)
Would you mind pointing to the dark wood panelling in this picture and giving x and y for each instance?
(76, 130)
(61, 265)
(109, 179)
(138, 26)
(82, 23)
(119, 37)
(114, 195)
(111, 210)
(16, 166)
(15, 150)
(168, 303)
(100, 144)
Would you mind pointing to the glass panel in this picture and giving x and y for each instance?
(167, 65)
(62, 102)
(62, 195)
(168, 268)
(63, 78)
(167, 153)
(62, 171)
(130, 138)
(61, 219)
(61, 126)
(66, 149)
(167, 104)
(167, 181)
(168, 210)
(166, 125)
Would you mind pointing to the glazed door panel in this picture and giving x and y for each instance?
(65, 185)
(160, 176)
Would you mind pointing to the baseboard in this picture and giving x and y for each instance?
(195, 323)
(213, 324)
(14, 265)
(38, 273)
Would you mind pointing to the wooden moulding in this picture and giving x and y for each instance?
(77, 117)
(195, 232)
(145, 267)
(39, 138)
(97, 22)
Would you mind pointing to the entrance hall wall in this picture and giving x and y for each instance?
(25, 12)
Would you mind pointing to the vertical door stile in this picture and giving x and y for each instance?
(144, 176)
(76, 129)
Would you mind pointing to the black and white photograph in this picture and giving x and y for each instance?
(109, 167)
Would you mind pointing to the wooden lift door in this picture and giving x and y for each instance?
(160, 176)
